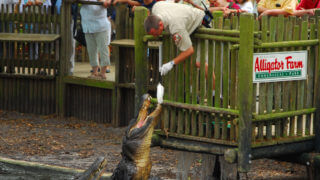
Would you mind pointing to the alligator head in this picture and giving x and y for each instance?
(136, 163)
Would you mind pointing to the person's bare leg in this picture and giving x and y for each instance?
(103, 72)
(94, 72)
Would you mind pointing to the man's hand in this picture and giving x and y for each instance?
(166, 68)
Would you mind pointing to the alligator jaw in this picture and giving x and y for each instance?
(136, 163)
(143, 114)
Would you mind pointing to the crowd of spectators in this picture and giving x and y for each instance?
(97, 29)
(258, 7)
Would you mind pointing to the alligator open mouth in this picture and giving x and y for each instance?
(136, 163)
(143, 117)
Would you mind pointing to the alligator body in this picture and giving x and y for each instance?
(135, 162)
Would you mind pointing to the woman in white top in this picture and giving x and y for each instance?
(246, 5)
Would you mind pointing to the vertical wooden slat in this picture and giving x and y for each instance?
(187, 75)
(317, 95)
(2, 29)
(6, 93)
(16, 94)
(209, 88)
(35, 45)
(225, 81)
(180, 93)
(10, 92)
(270, 86)
(233, 80)
(53, 97)
(172, 89)
(17, 44)
(27, 96)
(48, 46)
(301, 84)
(277, 86)
(245, 90)
(293, 88)
(217, 69)
(286, 85)
(233, 66)
(2, 92)
(165, 116)
(202, 84)
(194, 88)
(263, 86)
(255, 90)
(311, 74)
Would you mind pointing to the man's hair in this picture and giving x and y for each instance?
(151, 21)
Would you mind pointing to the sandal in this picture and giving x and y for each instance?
(102, 76)
(107, 70)
(94, 76)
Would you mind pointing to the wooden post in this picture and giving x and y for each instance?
(140, 57)
(65, 54)
(245, 90)
(317, 99)
(120, 19)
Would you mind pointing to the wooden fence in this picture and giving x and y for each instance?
(258, 120)
(34, 64)
(29, 59)
(124, 57)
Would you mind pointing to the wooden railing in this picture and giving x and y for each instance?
(255, 118)
(29, 40)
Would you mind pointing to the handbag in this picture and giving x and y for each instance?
(80, 37)
(78, 34)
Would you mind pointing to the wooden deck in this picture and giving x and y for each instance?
(82, 69)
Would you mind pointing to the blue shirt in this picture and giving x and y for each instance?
(94, 18)
(149, 6)
(58, 5)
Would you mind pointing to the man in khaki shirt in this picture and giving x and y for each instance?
(178, 19)
(276, 7)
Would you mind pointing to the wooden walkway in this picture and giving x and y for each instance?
(82, 69)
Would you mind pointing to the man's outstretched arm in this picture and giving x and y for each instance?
(180, 58)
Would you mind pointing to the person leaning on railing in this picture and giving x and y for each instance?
(307, 7)
(227, 7)
(276, 7)
(180, 21)
(171, 17)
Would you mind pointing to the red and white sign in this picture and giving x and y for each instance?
(279, 66)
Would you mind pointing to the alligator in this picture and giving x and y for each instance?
(135, 162)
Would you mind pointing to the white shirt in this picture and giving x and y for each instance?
(180, 20)
(248, 6)
(94, 18)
